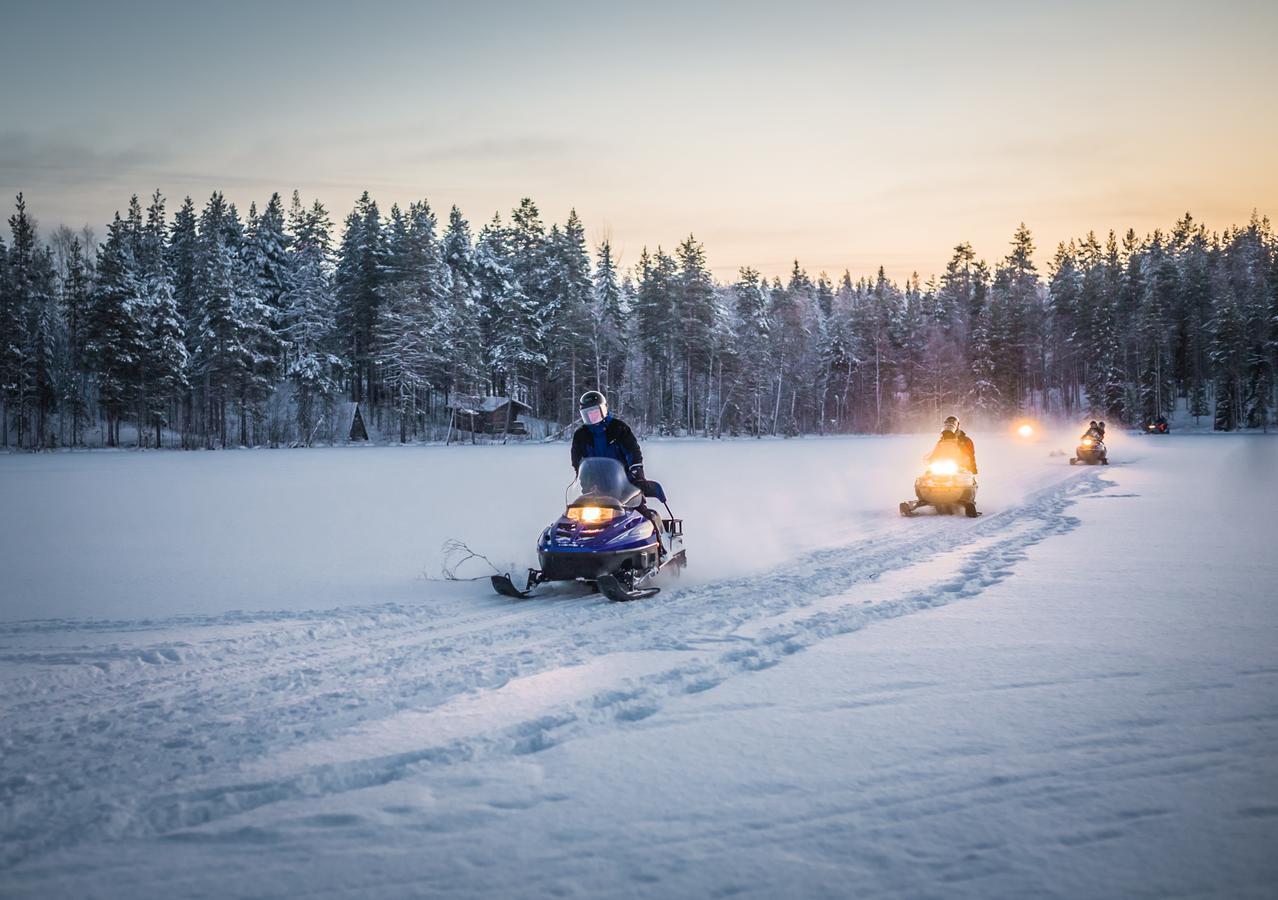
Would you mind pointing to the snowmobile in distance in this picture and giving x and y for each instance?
(946, 486)
(1157, 426)
(605, 539)
(1090, 451)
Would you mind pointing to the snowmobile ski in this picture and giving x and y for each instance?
(504, 586)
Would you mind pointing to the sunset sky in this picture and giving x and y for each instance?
(847, 135)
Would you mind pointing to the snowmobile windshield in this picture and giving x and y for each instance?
(605, 475)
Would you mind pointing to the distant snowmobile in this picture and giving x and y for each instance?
(1157, 426)
(1090, 451)
(947, 487)
(604, 537)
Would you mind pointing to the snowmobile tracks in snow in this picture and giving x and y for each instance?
(223, 715)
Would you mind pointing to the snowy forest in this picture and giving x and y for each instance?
(212, 329)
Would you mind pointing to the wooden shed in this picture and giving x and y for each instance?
(490, 415)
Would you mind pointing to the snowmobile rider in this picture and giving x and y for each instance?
(602, 434)
(1095, 430)
(954, 438)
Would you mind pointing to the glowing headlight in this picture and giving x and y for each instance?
(1025, 430)
(943, 467)
(591, 515)
(1087, 442)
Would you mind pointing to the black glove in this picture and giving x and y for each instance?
(636, 474)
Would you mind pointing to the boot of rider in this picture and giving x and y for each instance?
(655, 519)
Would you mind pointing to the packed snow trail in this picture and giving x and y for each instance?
(234, 728)
(283, 684)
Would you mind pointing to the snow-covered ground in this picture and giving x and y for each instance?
(223, 674)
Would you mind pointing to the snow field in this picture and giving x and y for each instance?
(798, 727)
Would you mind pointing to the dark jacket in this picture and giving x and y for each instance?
(965, 447)
(619, 443)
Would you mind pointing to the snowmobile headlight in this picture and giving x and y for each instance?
(591, 515)
(1087, 442)
(1026, 430)
(943, 467)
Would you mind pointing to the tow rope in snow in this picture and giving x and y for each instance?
(455, 555)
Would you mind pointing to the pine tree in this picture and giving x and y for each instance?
(183, 255)
(654, 315)
(31, 281)
(531, 257)
(314, 366)
(161, 375)
(258, 346)
(358, 280)
(114, 342)
(9, 349)
(268, 258)
(1074, 359)
(606, 322)
(510, 328)
(983, 395)
(844, 352)
(164, 351)
(219, 356)
(567, 335)
(1227, 353)
(411, 329)
(15, 312)
(1014, 321)
(464, 348)
(697, 314)
(76, 298)
(1160, 284)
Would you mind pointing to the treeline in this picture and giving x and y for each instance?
(209, 329)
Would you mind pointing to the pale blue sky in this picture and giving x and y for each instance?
(845, 134)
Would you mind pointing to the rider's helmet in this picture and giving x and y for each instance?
(594, 407)
(951, 424)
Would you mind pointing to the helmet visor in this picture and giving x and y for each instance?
(593, 415)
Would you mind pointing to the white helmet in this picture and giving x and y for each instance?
(594, 407)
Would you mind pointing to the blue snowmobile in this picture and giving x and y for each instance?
(606, 537)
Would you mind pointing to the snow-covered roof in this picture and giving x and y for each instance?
(492, 404)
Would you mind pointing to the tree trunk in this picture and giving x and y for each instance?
(776, 408)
